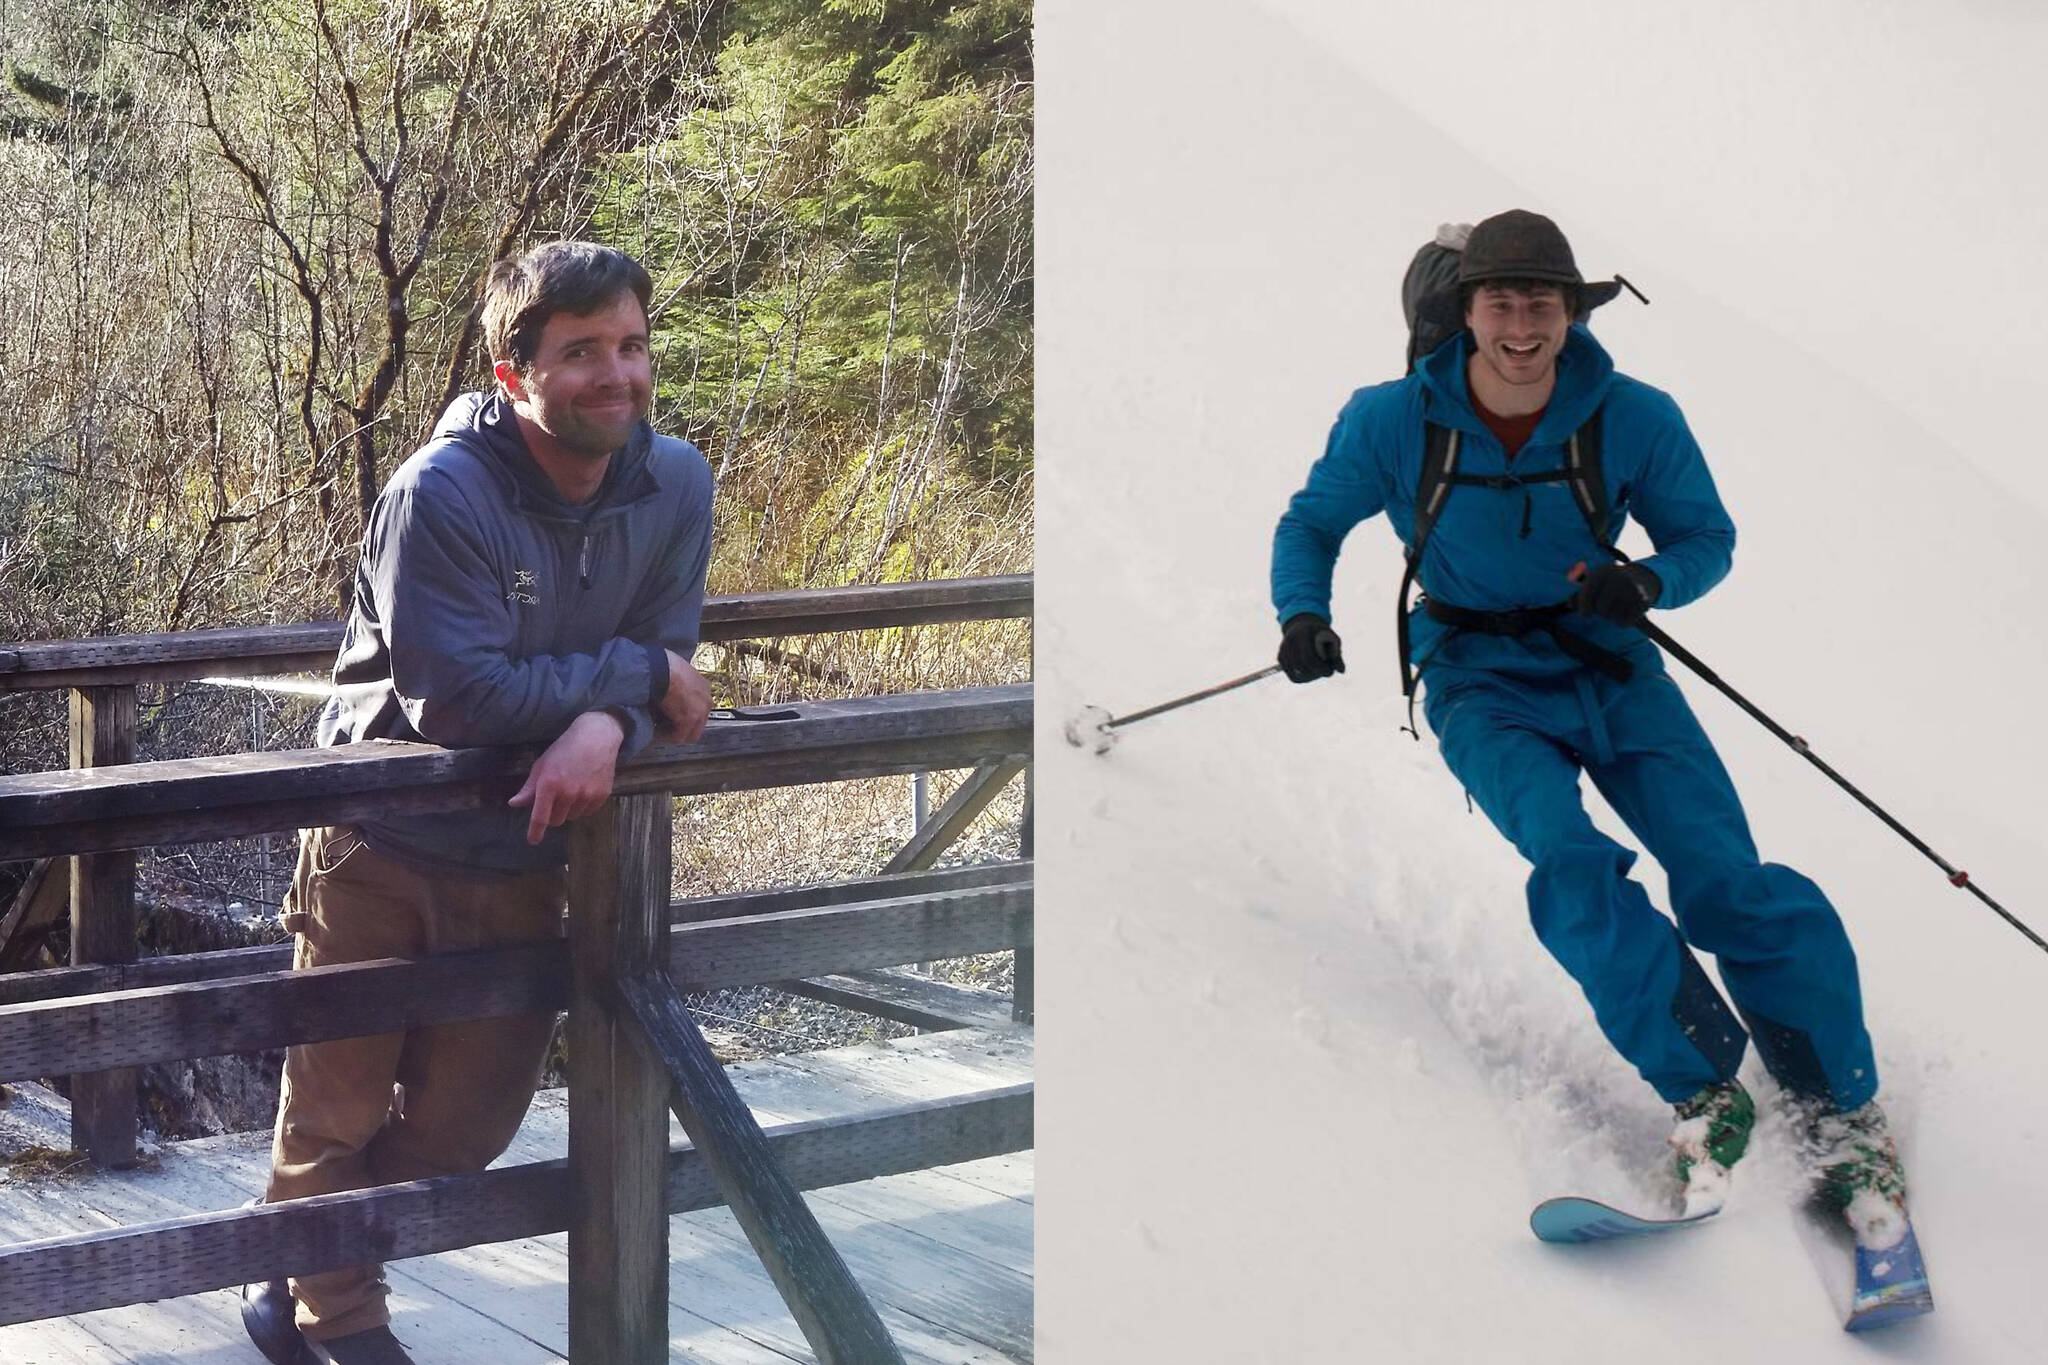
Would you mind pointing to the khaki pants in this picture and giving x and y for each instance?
(399, 1106)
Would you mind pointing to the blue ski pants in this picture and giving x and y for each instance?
(1518, 746)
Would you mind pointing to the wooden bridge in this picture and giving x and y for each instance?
(629, 954)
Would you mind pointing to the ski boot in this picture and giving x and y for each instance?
(1857, 1173)
(1711, 1135)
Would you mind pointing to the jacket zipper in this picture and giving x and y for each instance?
(583, 560)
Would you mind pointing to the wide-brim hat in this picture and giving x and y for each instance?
(1520, 245)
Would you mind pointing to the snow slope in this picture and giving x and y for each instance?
(1305, 1068)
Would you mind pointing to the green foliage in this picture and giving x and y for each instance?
(835, 200)
(842, 231)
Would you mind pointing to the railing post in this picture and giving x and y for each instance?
(103, 1119)
(1024, 973)
(920, 815)
(618, 1099)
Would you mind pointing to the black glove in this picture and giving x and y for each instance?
(1309, 649)
(1622, 593)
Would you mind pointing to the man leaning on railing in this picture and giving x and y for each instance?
(533, 574)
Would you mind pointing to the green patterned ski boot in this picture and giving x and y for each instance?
(1711, 1136)
(1857, 1173)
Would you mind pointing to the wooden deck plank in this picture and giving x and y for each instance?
(712, 1271)
(182, 1330)
(506, 1303)
(53, 1343)
(523, 1286)
(974, 1208)
(232, 1262)
(968, 1193)
(711, 1246)
(947, 1314)
(208, 1327)
(818, 1084)
(62, 1341)
(521, 1291)
(944, 1287)
(957, 1214)
(1012, 1175)
(983, 1300)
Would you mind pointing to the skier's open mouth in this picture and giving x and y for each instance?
(1522, 352)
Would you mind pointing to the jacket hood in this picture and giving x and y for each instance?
(485, 423)
(1584, 370)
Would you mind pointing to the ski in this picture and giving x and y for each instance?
(1871, 1287)
(1891, 1285)
(1574, 1218)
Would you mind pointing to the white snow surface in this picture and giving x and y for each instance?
(1305, 1067)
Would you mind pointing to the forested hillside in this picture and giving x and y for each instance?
(249, 232)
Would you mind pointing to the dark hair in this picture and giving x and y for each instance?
(557, 277)
(1525, 286)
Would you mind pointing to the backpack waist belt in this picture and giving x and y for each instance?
(1523, 621)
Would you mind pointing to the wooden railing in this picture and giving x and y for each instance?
(243, 651)
(101, 676)
(629, 955)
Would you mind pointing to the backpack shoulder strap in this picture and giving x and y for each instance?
(1439, 467)
(1588, 479)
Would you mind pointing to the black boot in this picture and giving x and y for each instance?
(267, 1311)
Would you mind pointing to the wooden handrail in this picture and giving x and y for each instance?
(223, 964)
(241, 651)
(186, 800)
(235, 1014)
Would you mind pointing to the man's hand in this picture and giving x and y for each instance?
(1309, 649)
(574, 776)
(1622, 593)
(683, 709)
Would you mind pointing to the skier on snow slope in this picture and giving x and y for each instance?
(1525, 690)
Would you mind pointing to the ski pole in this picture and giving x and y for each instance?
(1956, 876)
(1095, 726)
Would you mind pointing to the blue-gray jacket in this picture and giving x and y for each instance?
(1479, 556)
(489, 611)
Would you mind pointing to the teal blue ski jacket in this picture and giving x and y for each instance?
(1505, 549)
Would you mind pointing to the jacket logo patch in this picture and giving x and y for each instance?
(522, 584)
